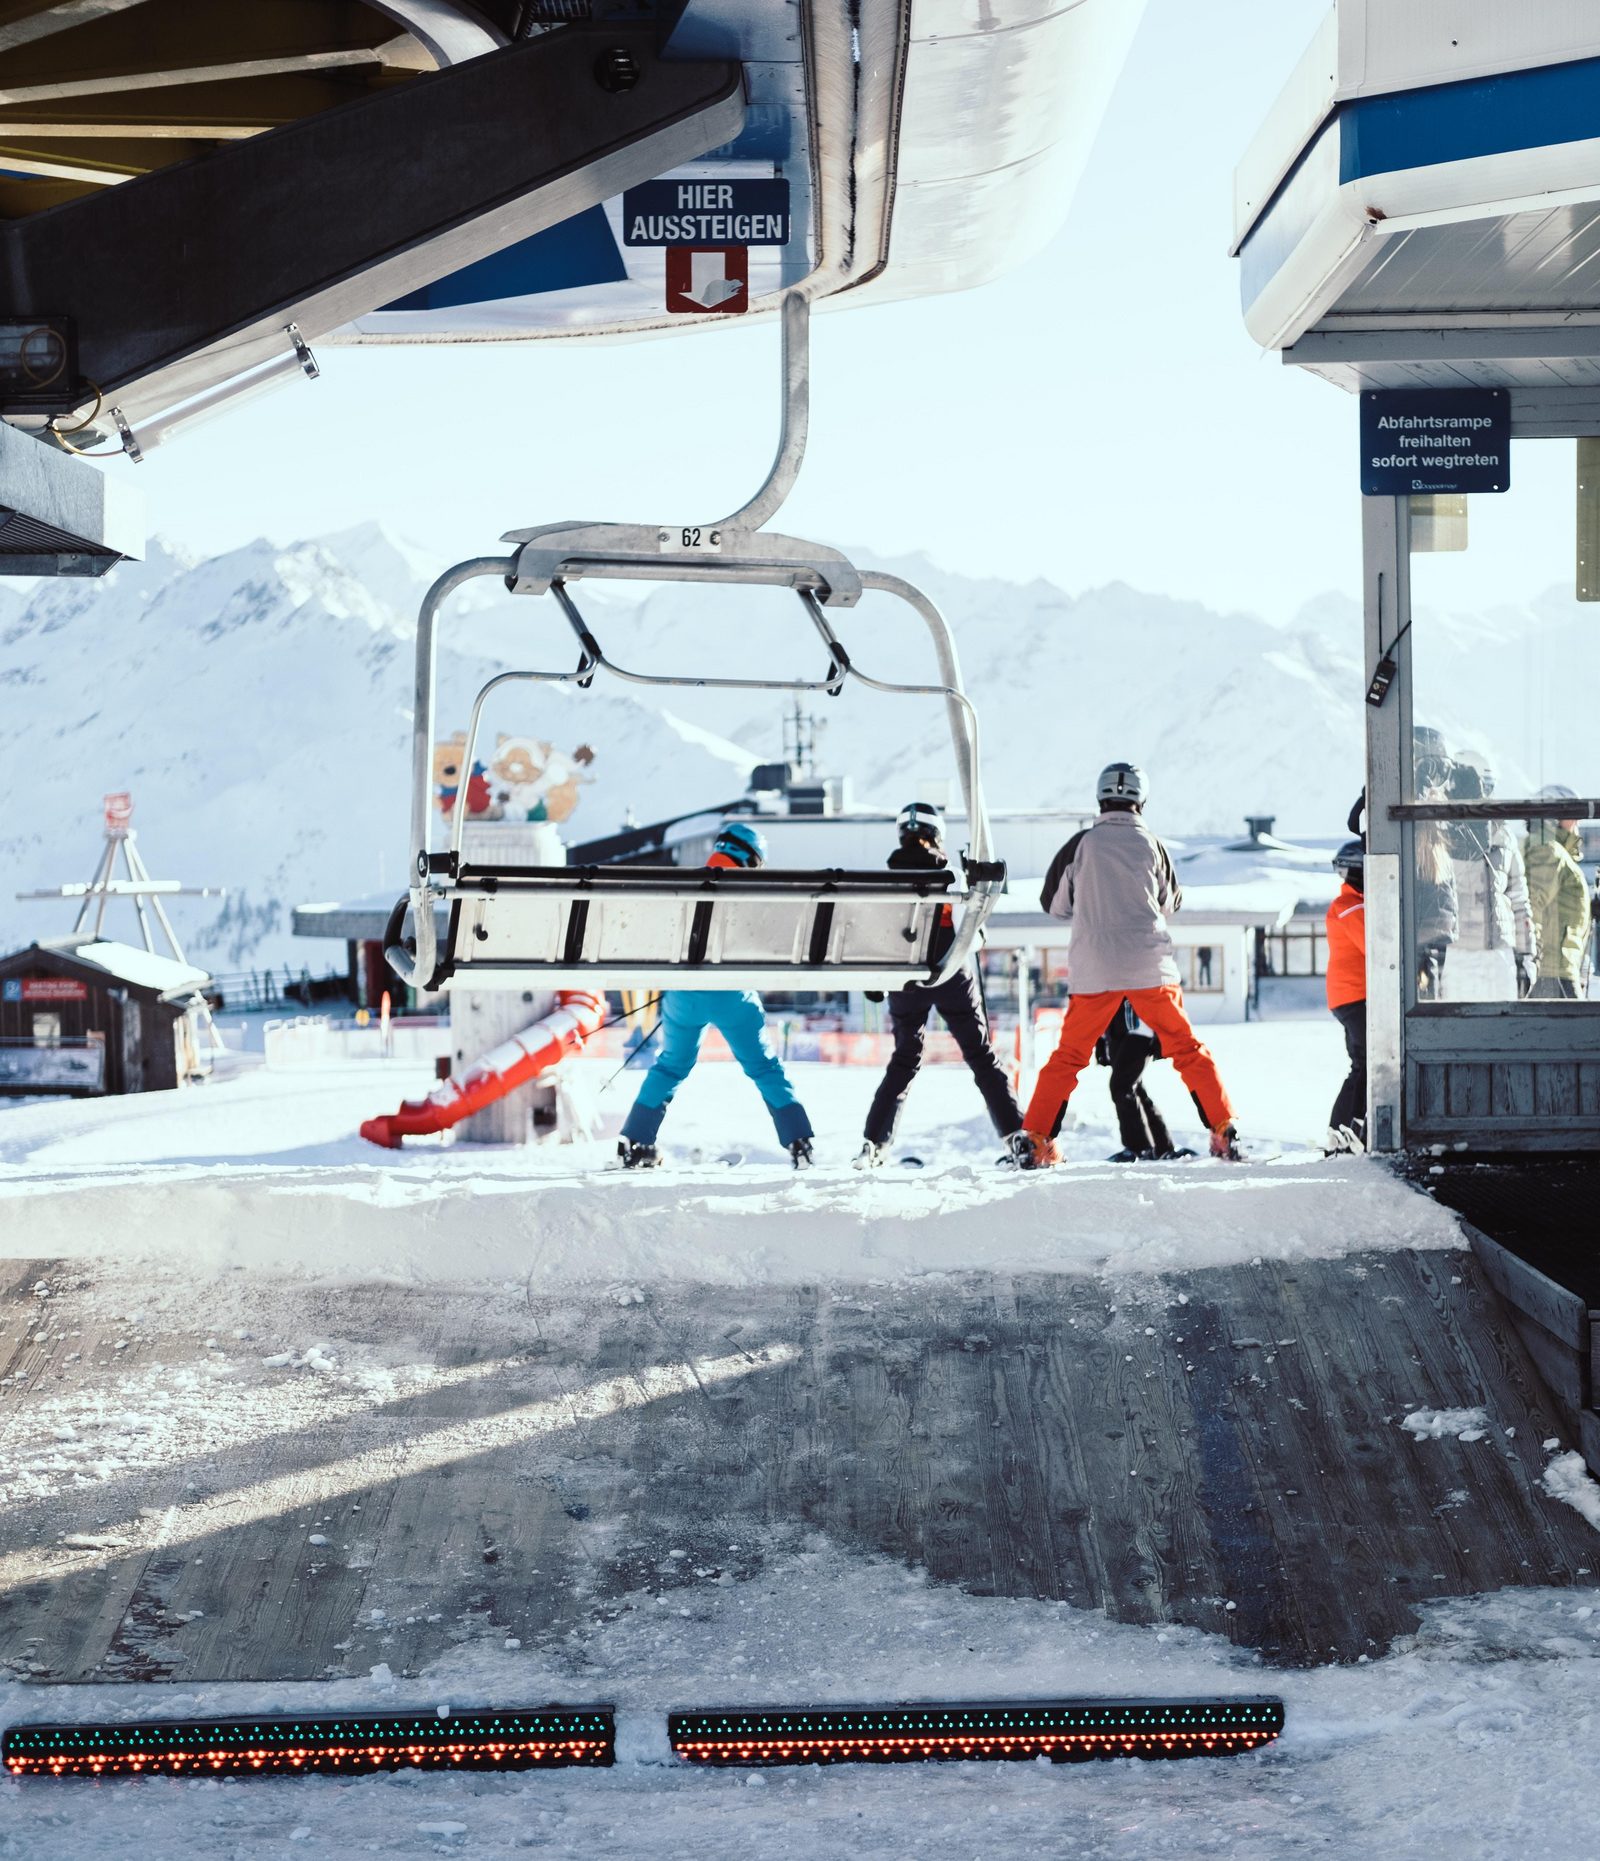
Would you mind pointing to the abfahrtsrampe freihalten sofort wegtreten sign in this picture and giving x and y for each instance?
(1422, 441)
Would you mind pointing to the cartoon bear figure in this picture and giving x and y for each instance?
(538, 781)
(448, 757)
(561, 797)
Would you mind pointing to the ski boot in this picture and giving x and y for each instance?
(1028, 1150)
(1225, 1145)
(869, 1157)
(1175, 1155)
(1344, 1140)
(1131, 1156)
(800, 1153)
(638, 1156)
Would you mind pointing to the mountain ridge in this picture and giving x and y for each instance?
(257, 703)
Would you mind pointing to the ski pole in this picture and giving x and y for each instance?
(653, 1001)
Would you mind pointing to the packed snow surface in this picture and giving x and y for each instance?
(1476, 1740)
(262, 1171)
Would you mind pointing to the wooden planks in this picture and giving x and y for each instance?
(1221, 1448)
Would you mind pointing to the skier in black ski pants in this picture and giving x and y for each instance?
(957, 1001)
(1128, 1047)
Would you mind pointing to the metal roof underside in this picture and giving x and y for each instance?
(1545, 262)
(1510, 301)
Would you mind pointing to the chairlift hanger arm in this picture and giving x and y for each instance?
(831, 684)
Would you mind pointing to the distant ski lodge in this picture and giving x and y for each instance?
(82, 1016)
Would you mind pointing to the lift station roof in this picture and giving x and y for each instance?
(1422, 207)
(454, 170)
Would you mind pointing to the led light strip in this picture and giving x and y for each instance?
(283, 1744)
(1063, 1731)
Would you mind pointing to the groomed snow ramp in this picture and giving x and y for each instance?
(502, 1069)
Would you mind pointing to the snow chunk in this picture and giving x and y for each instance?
(1569, 1480)
(1435, 1424)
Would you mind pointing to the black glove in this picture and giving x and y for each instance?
(873, 995)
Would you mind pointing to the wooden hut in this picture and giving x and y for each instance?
(86, 1016)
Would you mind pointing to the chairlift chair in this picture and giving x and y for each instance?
(543, 927)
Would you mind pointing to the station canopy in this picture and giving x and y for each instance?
(1421, 208)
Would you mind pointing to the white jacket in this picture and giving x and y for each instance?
(1115, 885)
(1491, 888)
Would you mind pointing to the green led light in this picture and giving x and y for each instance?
(1063, 1731)
(513, 1739)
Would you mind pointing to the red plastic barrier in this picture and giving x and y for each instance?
(577, 1014)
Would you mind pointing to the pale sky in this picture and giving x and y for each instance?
(1097, 415)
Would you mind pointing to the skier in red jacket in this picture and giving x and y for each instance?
(1347, 996)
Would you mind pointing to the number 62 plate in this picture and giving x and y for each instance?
(690, 538)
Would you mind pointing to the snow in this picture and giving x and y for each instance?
(1465, 1741)
(262, 1170)
(142, 967)
(1462, 1740)
(1569, 1480)
(1436, 1424)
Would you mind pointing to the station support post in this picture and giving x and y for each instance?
(1385, 535)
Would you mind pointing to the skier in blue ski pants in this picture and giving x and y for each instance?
(738, 1016)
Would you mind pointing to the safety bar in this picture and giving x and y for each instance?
(571, 882)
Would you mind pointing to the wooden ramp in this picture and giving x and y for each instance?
(1221, 1449)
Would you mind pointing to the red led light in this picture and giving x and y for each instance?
(518, 1738)
(1060, 1730)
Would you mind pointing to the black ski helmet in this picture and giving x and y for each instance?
(1430, 757)
(921, 820)
(1351, 857)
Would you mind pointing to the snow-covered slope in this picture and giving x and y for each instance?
(1230, 714)
(258, 706)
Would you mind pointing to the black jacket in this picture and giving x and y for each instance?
(915, 856)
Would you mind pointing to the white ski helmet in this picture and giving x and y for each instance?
(1481, 766)
(922, 820)
(1122, 781)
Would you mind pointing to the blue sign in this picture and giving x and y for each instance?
(1420, 441)
(11, 989)
(706, 213)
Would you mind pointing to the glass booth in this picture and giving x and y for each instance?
(1483, 804)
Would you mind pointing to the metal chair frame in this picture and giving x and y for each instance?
(549, 560)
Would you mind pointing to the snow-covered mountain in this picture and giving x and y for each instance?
(258, 705)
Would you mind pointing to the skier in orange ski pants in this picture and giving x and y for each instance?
(1115, 884)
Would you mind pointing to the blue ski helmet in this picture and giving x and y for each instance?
(1351, 857)
(743, 842)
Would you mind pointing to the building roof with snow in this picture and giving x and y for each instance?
(143, 969)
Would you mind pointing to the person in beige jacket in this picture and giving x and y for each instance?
(1115, 885)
